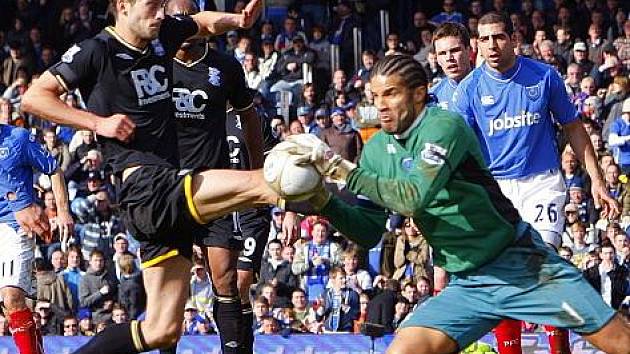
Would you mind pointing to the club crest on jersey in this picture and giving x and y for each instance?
(433, 154)
(68, 56)
(533, 92)
(407, 163)
(214, 76)
(157, 48)
(4, 152)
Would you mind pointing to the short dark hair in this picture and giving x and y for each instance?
(493, 17)
(452, 29)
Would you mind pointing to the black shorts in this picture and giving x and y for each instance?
(246, 231)
(156, 212)
(255, 225)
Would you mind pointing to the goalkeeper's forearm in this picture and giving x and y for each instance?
(365, 226)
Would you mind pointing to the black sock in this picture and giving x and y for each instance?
(115, 339)
(247, 346)
(171, 350)
(227, 315)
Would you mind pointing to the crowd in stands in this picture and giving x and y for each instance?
(319, 282)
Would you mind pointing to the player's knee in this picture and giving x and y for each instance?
(225, 283)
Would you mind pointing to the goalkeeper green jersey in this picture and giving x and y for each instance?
(435, 173)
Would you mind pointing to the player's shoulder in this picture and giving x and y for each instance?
(471, 80)
(444, 120)
(534, 67)
(218, 58)
(20, 133)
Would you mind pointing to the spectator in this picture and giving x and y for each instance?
(301, 308)
(58, 261)
(201, 293)
(321, 46)
(252, 75)
(305, 117)
(341, 138)
(268, 60)
(339, 85)
(580, 57)
(288, 254)
(269, 325)
(52, 289)
(340, 304)
(572, 82)
(98, 288)
(277, 271)
(99, 224)
(290, 67)
(618, 91)
(615, 188)
(341, 34)
(119, 314)
(277, 217)
(585, 206)
(401, 311)
(609, 278)
(596, 43)
(573, 173)
(72, 274)
(87, 143)
(449, 14)
(131, 295)
(269, 292)
(11, 64)
(322, 118)
(411, 256)
(191, 318)
(121, 247)
(57, 149)
(86, 327)
(579, 248)
(364, 301)
(314, 260)
(564, 43)
(357, 279)
(261, 310)
(622, 44)
(410, 292)
(70, 326)
(289, 32)
(381, 308)
(309, 97)
(243, 47)
(620, 137)
(50, 321)
(619, 243)
(547, 56)
(295, 127)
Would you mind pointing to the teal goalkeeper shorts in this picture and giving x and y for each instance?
(528, 282)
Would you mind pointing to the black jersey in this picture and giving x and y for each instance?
(115, 77)
(239, 155)
(200, 92)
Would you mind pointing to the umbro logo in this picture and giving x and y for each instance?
(232, 344)
(487, 100)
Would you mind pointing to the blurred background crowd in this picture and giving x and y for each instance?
(308, 61)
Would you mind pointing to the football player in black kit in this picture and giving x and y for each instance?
(125, 76)
(204, 81)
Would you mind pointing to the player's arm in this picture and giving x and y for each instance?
(213, 23)
(64, 219)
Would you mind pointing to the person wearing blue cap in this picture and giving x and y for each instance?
(341, 138)
(305, 116)
(322, 118)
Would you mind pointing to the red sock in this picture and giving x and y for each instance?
(25, 334)
(508, 334)
(558, 340)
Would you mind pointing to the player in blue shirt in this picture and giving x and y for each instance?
(452, 48)
(513, 104)
(20, 153)
(619, 137)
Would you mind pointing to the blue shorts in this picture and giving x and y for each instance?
(528, 282)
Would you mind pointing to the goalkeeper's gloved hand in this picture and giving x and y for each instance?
(312, 205)
(312, 150)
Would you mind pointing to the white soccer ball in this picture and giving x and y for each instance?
(289, 180)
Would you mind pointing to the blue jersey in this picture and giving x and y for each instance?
(513, 115)
(19, 154)
(621, 152)
(443, 92)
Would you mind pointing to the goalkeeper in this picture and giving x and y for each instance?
(426, 163)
